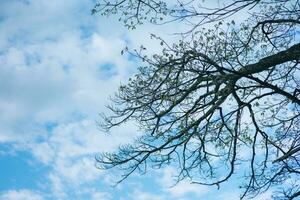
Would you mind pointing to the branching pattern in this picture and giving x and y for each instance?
(229, 96)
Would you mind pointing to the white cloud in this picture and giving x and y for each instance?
(20, 195)
(58, 189)
(52, 73)
(71, 150)
(229, 195)
(141, 195)
(182, 188)
(44, 91)
(100, 196)
(80, 138)
(264, 196)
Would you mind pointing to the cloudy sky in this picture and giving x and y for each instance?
(58, 67)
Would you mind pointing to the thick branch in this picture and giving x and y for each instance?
(291, 54)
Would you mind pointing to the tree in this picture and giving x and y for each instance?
(221, 97)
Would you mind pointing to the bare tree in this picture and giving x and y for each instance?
(222, 97)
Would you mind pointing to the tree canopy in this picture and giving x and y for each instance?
(221, 97)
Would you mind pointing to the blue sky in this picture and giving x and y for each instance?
(58, 66)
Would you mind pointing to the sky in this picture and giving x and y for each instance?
(59, 65)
